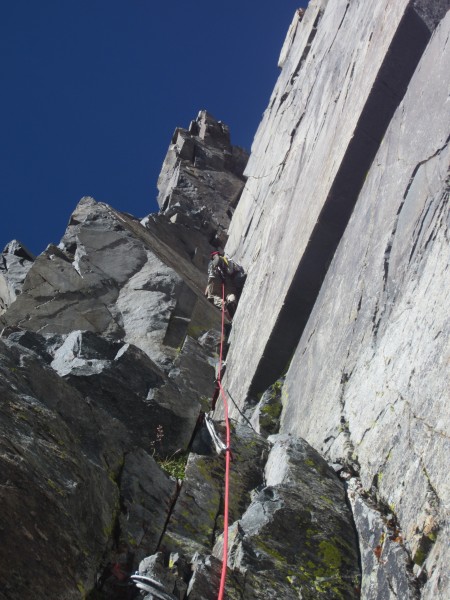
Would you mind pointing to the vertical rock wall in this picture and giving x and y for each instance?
(345, 72)
(369, 381)
(343, 228)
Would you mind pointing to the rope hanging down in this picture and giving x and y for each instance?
(227, 461)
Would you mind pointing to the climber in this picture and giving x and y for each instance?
(223, 270)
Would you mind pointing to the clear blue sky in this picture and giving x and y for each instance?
(92, 90)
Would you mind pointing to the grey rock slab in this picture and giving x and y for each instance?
(56, 299)
(327, 116)
(368, 384)
(146, 303)
(193, 373)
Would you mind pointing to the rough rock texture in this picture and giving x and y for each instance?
(292, 534)
(344, 74)
(198, 515)
(296, 539)
(101, 375)
(199, 186)
(15, 262)
(380, 326)
(147, 496)
(266, 414)
(110, 275)
(386, 564)
(343, 227)
(80, 416)
(107, 355)
(202, 175)
(60, 458)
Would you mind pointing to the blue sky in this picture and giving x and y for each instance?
(92, 91)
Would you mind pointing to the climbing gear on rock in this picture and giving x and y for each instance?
(218, 443)
(154, 587)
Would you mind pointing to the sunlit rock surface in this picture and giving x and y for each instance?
(343, 226)
(339, 347)
(378, 395)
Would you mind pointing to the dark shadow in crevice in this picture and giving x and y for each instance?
(387, 92)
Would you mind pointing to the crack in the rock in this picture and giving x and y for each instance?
(390, 242)
(337, 30)
(292, 134)
(432, 490)
(417, 167)
(422, 420)
(438, 218)
(351, 457)
(169, 514)
(307, 47)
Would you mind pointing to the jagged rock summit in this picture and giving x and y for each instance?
(337, 367)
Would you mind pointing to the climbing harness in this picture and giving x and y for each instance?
(152, 586)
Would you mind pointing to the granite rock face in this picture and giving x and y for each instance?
(343, 228)
(379, 398)
(344, 72)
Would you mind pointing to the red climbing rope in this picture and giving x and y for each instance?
(227, 461)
